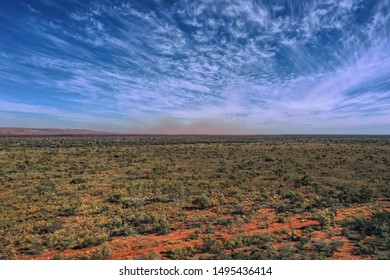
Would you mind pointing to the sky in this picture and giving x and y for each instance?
(197, 67)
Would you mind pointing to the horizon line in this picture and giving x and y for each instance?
(111, 133)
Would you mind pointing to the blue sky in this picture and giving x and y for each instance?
(213, 66)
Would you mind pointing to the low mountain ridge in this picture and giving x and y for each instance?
(12, 131)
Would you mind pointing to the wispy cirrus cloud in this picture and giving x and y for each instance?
(275, 67)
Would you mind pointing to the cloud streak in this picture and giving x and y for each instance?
(246, 66)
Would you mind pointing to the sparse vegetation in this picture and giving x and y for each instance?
(194, 197)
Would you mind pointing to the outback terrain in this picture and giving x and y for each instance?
(194, 197)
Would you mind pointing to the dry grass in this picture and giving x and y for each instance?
(76, 196)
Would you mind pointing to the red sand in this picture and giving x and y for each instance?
(142, 245)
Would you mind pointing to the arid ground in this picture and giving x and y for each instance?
(195, 197)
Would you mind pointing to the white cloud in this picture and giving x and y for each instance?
(265, 65)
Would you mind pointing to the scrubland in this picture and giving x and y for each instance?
(195, 197)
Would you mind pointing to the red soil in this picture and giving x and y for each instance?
(142, 245)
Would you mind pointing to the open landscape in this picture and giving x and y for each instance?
(213, 131)
(194, 197)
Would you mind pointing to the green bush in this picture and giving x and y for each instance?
(103, 253)
(365, 194)
(181, 253)
(202, 201)
(162, 226)
(115, 198)
(77, 181)
(322, 220)
(45, 227)
(211, 245)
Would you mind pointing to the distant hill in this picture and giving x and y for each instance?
(12, 131)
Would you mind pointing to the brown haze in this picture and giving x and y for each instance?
(201, 126)
(166, 126)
